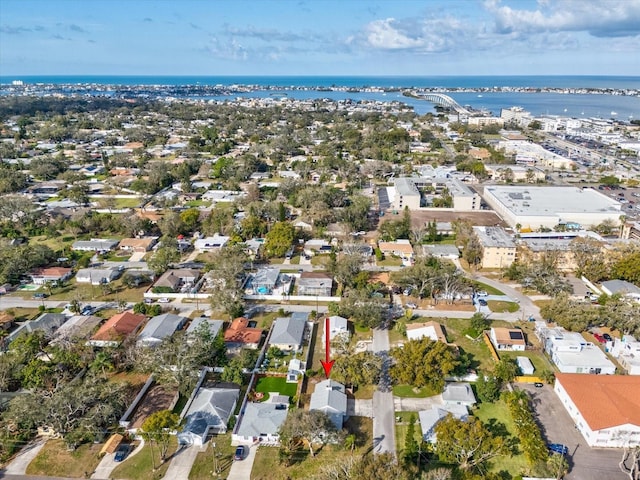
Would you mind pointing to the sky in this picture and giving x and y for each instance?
(320, 37)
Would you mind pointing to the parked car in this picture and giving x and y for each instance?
(163, 300)
(87, 310)
(558, 448)
(607, 337)
(241, 451)
(538, 384)
(599, 338)
(482, 293)
(410, 305)
(40, 295)
(121, 453)
(482, 302)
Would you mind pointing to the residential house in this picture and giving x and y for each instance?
(621, 287)
(605, 409)
(316, 246)
(210, 244)
(338, 327)
(243, 334)
(209, 412)
(498, 247)
(116, 329)
(213, 326)
(295, 370)
(139, 245)
(432, 330)
(159, 328)
(264, 281)
(178, 279)
(307, 227)
(98, 276)
(287, 333)
(571, 352)
(330, 397)
(315, 283)
(47, 323)
(627, 352)
(458, 394)
(261, 422)
(253, 247)
(450, 252)
(6, 321)
(430, 418)
(42, 276)
(78, 326)
(98, 245)
(511, 339)
(400, 248)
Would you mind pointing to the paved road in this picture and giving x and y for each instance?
(383, 408)
(527, 307)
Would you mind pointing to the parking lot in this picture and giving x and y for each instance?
(557, 427)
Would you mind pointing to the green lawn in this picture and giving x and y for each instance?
(276, 384)
(389, 262)
(140, 466)
(540, 362)
(401, 429)
(497, 416)
(220, 456)
(487, 288)
(55, 460)
(501, 307)
(409, 391)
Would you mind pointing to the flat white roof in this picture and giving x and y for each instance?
(544, 201)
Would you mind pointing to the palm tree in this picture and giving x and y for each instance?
(350, 442)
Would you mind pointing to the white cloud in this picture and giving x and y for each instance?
(611, 18)
(387, 34)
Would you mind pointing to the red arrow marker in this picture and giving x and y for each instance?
(327, 364)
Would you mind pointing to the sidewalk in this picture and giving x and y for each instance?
(241, 469)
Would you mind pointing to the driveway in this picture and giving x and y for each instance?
(181, 463)
(19, 464)
(241, 469)
(108, 464)
(526, 304)
(402, 404)
(557, 427)
(360, 408)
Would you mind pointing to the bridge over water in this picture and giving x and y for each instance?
(443, 100)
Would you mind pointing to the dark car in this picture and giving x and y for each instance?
(559, 448)
(241, 451)
(607, 337)
(121, 453)
(538, 384)
(482, 302)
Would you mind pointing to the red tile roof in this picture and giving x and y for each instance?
(119, 326)
(604, 400)
(240, 332)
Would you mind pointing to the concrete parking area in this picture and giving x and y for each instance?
(586, 463)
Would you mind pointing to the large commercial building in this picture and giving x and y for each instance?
(532, 207)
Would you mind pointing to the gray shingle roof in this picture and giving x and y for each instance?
(262, 419)
(160, 327)
(287, 331)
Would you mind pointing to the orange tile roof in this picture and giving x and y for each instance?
(604, 400)
(240, 332)
(436, 327)
(52, 271)
(395, 247)
(119, 326)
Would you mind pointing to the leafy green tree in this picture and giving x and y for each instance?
(488, 388)
(422, 363)
(156, 430)
(479, 322)
(506, 369)
(163, 258)
(308, 428)
(411, 446)
(279, 239)
(467, 443)
(359, 369)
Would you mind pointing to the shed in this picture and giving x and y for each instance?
(526, 367)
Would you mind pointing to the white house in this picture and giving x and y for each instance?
(98, 276)
(605, 409)
(572, 353)
(262, 421)
(458, 394)
(430, 418)
(338, 327)
(210, 244)
(329, 397)
(432, 330)
(209, 411)
(627, 351)
(508, 339)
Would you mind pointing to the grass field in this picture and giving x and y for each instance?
(55, 460)
(140, 465)
(501, 307)
(409, 391)
(389, 262)
(268, 467)
(539, 361)
(220, 456)
(487, 288)
(402, 427)
(276, 384)
(497, 416)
